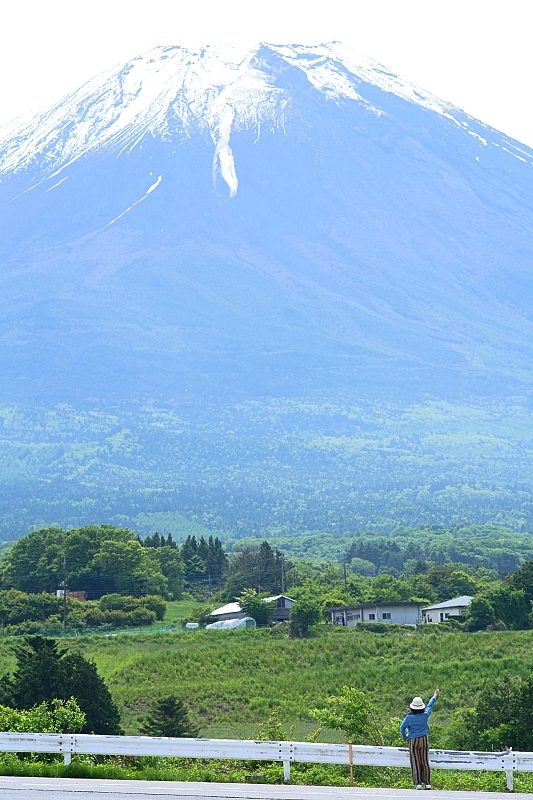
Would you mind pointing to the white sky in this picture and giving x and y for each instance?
(474, 53)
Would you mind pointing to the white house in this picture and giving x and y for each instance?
(391, 613)
(234, 611)
(440, 612)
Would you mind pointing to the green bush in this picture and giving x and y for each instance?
(254, 606)
(304, 613)
(45, 673)
(123, 611)
(59, 716)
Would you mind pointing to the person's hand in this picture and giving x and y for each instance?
(436, 692)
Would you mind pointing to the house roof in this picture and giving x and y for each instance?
(455, 602)
(373, 605)
(229, 608)
(277, 597)
(234, 608)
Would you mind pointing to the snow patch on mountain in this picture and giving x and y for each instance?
(136, 203)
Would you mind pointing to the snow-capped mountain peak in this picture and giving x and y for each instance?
(175, 91)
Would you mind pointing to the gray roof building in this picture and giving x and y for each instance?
(440, 612)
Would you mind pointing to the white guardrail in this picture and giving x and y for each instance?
(508, 761)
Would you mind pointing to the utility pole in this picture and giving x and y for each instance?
(343, 557)
(64, 593)
(282, 575)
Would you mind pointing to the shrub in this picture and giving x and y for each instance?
(155, 604)
(60, 716)
(124, 611)
(113, 602)
(254, 606)
(379, 627)
(480, 613)
(501, 718)
(141, 616)
(304, 613)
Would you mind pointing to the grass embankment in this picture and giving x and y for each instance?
(233, 679)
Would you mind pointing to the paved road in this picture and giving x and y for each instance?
(71, 789)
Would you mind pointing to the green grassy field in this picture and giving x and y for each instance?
(181, 609)
(233, 679)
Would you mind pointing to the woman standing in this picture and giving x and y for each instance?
(414, 729)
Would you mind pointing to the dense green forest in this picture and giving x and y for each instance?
(268, 468)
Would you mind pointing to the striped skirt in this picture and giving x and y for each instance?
(419, 757)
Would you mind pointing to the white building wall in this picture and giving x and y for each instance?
(437, 615)
(393, 615)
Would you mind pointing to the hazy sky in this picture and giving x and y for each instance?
(474, 53)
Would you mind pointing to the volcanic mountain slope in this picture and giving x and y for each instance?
(285, 220)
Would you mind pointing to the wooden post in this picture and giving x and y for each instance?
(350, 759)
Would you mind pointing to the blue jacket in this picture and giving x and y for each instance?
(416, 725)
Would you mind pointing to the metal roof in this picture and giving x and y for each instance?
(455, 602)
(234, 608)
(277, 597)
(229, 608)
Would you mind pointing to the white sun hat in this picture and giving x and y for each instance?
(417, 704)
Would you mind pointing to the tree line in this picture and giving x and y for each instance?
(104, 560)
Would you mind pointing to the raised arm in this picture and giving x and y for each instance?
(429, 706)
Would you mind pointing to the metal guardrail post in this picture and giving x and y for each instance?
(510, 766)
(286, 754)
(67, 746)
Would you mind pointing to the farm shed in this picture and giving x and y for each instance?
(233, 610)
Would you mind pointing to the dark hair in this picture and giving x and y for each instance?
(416, 710)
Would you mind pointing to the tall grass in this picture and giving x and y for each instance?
(235, 678)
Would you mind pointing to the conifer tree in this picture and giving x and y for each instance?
(169, 716)
(45, 673)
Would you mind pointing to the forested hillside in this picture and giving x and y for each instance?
(281, 468)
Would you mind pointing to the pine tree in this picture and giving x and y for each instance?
(92, 695)
(203, 549)
(217, 560)
(39, 676)
(45, 673)
(169, 716)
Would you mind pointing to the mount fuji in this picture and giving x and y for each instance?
(280, 221)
